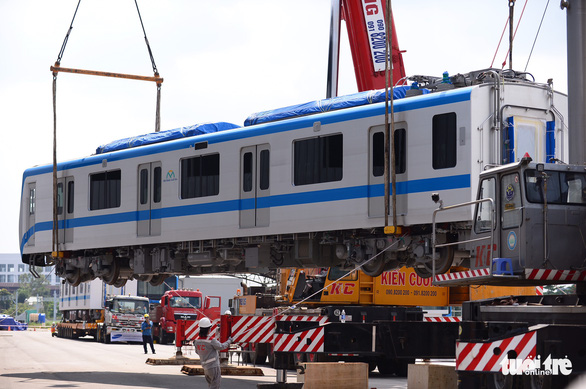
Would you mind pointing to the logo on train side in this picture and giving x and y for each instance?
(170, 176)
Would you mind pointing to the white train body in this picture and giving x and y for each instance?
(267, 203)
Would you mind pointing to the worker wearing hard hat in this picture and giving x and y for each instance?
(207, 349)
(147, 334)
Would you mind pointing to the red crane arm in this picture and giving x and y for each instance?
(365, 23)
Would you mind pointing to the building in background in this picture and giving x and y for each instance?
(12, 268)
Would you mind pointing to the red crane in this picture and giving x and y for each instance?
(366, 25)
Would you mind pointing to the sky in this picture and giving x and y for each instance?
(221, 61)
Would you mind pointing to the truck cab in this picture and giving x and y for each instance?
(176, 302)
(123, 316)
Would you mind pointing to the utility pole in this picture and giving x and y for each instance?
(54, 305)
(16, 305)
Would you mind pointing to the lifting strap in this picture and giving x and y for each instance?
(389, 149)
(55, 70)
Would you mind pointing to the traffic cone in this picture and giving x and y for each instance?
(9, 328)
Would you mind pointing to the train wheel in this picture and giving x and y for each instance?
(74, 278)
(157, 280)
(113, 275)
(374, 267)
(120, 282)
(424, 269)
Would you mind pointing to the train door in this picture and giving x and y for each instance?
(376, 169)
(65, 209)
(149, 199)
(486, 224)
(254, 186)
(31, 212)
(510, 211)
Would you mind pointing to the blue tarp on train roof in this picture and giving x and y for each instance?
(163, 136)
(325, 105)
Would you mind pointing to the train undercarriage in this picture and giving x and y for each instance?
(373, 250)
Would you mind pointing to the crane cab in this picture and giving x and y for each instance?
(524, 215)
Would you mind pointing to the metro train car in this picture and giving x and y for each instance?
(301, 186)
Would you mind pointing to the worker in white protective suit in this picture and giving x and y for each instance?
(207, 349)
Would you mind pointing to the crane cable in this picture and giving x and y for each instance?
(55, 230)
(155, 71)
(537, 35)
(513, 34)
(507, 23)
(55, 70)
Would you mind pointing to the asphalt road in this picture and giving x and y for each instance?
(34, 359)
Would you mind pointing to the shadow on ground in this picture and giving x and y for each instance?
(104, 379)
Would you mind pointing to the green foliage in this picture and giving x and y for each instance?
(28, 287)
(6, 300)
(31, 286)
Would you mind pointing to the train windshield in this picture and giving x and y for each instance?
(555, 187)
(185, 302)
(130, 306)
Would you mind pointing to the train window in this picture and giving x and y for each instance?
(483, 220)
(200, 176)
(144, 186)
(444, 141)
(247, 173)
(70, 194)
(157, 181)
(318, 160)
(511, 201)
(60, 198)
(105, 190)
(264, 169)
(378, 152)
(32, 201)
(400, 151)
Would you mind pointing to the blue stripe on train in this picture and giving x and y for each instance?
(321, 196)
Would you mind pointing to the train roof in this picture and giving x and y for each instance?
(329, 117)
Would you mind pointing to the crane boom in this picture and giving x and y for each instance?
(366, 26)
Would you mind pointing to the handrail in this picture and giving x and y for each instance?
(450, 207)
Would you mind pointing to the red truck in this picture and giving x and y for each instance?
(177, 302)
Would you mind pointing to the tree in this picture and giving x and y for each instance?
(6, 300)
(31, 286)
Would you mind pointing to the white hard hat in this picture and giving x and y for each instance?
(205, 323)
(228, 312)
